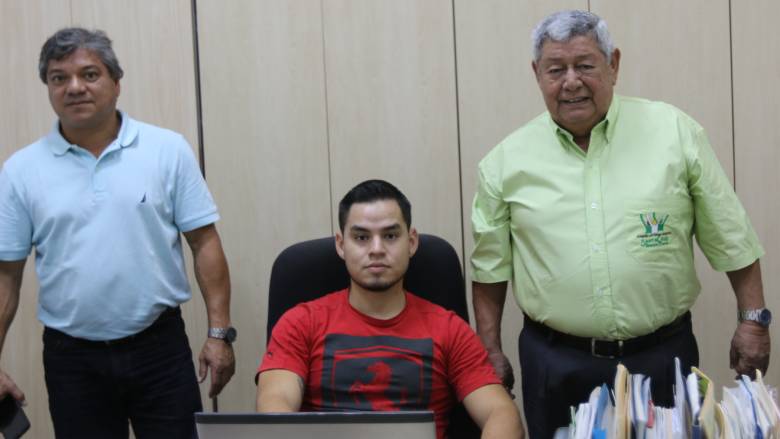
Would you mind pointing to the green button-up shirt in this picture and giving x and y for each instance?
(599, 244)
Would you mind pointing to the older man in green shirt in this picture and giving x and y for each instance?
(590, 210)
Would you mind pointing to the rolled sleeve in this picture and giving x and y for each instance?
(15, 223)
(722, 227)
(491, 260)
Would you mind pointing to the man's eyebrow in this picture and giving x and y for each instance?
(356, 228)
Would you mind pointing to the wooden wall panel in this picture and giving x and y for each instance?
(390, 73)
(756, 52)
(153, 40)
(497, 94)
(156, 54)
(680, 54)
(266, 151)
(25, 115)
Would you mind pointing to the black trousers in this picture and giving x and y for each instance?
(148, 380)
(556, 376)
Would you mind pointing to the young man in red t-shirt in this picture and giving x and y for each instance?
(375, 346)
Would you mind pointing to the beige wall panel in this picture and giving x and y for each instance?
(153, 41)
(390, 73)
(266, 151)
(25, 115)
(156, 54)
(680, 54)
(497, 94)
(756, 48)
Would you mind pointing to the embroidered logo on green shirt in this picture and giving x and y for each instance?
(654, 235)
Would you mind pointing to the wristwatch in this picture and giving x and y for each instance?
(228, 335)
(762, 316)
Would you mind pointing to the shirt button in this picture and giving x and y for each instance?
(596, 248)
(594, 205)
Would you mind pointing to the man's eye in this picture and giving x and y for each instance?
(56, 79)
(554, 70)
(391, 236)
(361, 238)
(585, 67)
(91, 76)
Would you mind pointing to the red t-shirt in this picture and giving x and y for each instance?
(417, 360)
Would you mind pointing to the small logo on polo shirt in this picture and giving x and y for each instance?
(655, 235)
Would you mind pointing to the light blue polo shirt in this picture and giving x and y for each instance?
(108, 251)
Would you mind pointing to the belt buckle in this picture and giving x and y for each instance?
(609, 357)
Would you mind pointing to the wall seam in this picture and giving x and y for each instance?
(459, 145)
(327, 115)
(198, 100)
(733, 122)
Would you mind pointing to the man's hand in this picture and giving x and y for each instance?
(8, 387)
(503, 369)
(750, 349)
(217, 356)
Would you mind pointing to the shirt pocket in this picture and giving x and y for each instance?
(658, 232)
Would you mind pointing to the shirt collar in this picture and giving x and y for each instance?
(128, 132)
(608, 124)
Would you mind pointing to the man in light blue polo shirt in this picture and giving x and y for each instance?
(102, 199)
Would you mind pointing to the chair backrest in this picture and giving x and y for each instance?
(311, 269)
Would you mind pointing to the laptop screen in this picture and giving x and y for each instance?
(319, 425)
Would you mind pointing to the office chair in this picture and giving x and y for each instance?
(311, 269)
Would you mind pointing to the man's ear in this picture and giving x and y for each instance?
(536, 71)
(414, 241)
(614, 65)
(340, 244)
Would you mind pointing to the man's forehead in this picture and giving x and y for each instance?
(580, 46)
(379, 214)
(82, 57)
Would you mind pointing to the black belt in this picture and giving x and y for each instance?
(164, 317)
(617, 348)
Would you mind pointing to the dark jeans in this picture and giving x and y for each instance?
(556, 377)
(149, 379)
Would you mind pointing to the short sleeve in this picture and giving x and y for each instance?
(721, 225)
(15, 223)
(193, 205)
(467, 360)
(491, 260)
(290, 347)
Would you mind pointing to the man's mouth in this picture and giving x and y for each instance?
(574, 100)
(70, 104)
(377, 267)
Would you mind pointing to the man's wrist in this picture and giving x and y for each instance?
(227, 334)
(759, 316)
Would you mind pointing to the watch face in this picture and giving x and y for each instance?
(766, 317)
(230, 335)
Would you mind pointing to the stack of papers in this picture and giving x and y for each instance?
(749, 410)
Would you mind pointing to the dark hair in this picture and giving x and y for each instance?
(68, 40)
(374, 190)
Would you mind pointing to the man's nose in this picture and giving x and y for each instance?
(377, 246)
(75, 85)
(571, 80)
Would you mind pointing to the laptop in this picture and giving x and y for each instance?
(319, 425)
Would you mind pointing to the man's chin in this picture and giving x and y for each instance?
(377, 286)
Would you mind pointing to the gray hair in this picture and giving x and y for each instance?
(68, 40)
(565, 25)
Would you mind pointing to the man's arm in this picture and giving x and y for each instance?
(495, 413)
(211, 272)
(750, 345)
(488, 302)
(10, 284)
(279, 391)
